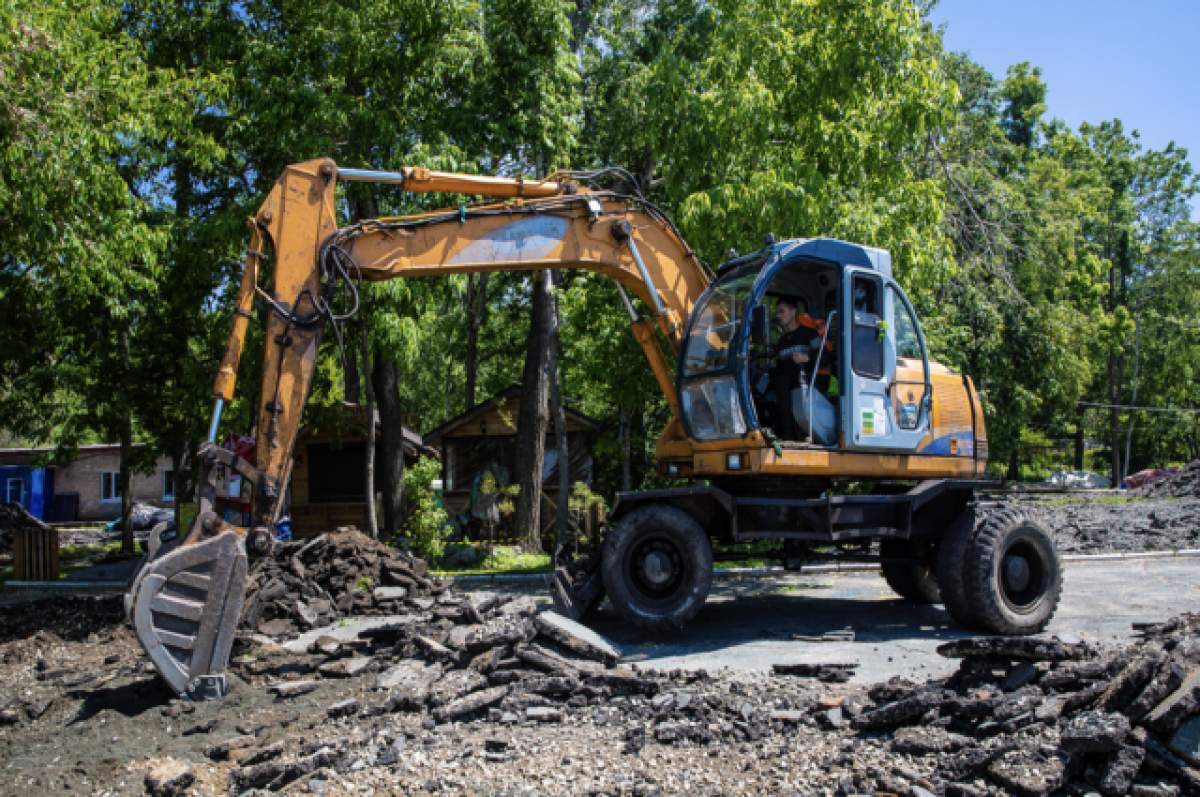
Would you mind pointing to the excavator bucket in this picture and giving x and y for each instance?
(184, 606)
(576, 587)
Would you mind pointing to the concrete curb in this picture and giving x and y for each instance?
(740, 573)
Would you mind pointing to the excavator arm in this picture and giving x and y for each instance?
(186, 601)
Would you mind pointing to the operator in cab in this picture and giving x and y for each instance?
(786, 375)
(792, 377)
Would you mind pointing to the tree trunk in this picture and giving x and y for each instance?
(181, 465)
(626, 481)
(531, 421)
(581, 22)
(386, 385)
(476, 303)
(369, 449)
(563, 519)
(126, 453)
(1137, 356)
(1079, 411)
(353, 383)
(1014, 462)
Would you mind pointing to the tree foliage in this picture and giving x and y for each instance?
(1052, 265)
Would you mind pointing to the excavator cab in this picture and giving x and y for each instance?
(879, 398)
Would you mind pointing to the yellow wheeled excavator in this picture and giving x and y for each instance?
(863, 402)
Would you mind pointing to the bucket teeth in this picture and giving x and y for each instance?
(185, 608)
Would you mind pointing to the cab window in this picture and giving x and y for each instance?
(908, 345)
(867, 343)
(716, 322)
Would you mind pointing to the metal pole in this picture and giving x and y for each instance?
(216, 421)
(1137, 356)
(812, 385)
(658, 305)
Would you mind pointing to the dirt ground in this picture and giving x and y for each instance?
(83, 712)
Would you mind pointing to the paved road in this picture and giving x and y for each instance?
(748, 625)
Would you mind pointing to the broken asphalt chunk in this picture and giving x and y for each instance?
(169, 779)
(221, 750)
(577, 638)
(476, 701)
(813, 669)
(345, 708)
(293, 688)
(1015, 649)
(345, 668)
(1095, 732)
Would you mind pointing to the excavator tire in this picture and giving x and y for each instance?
(952, 567)
(657, 566)
(1014, 575)
(913, 582)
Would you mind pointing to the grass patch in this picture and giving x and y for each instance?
(760, 553)
(505, 561)
(1113, 500)
(773, 562)
(72, 559)
(70, 553)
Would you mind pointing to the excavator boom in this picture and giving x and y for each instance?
(187, 599)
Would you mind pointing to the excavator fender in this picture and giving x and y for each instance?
(711, 507)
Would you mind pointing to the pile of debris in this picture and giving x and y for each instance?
(14, 517)
(306, 585)
(1129, 526)
(1185, 483)
(1021, 716)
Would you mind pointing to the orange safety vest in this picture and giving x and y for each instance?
(818, 326)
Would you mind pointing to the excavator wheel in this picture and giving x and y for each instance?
(1014, 574)
(911, 581)
(952, 568)
(657, 567)
(185, 605)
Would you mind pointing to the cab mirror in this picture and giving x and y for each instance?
(760, 325)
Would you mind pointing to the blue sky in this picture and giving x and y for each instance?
(1101, 59)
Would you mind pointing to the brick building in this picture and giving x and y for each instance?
(92, 477)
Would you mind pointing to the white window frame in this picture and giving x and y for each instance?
(168, 485)
(8, 489)
(116, 486)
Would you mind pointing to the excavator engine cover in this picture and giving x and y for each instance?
(185, 605)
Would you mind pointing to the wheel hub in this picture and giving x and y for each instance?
(1016, 572)
(656, 568)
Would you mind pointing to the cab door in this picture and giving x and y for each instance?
(888, 400)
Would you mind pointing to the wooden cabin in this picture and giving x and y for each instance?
(328, 487)
(483, 440)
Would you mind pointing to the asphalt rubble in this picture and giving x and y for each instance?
(489, 694)
(309, 584)
(1082, 524)
(13, 518)
(1185, 483)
